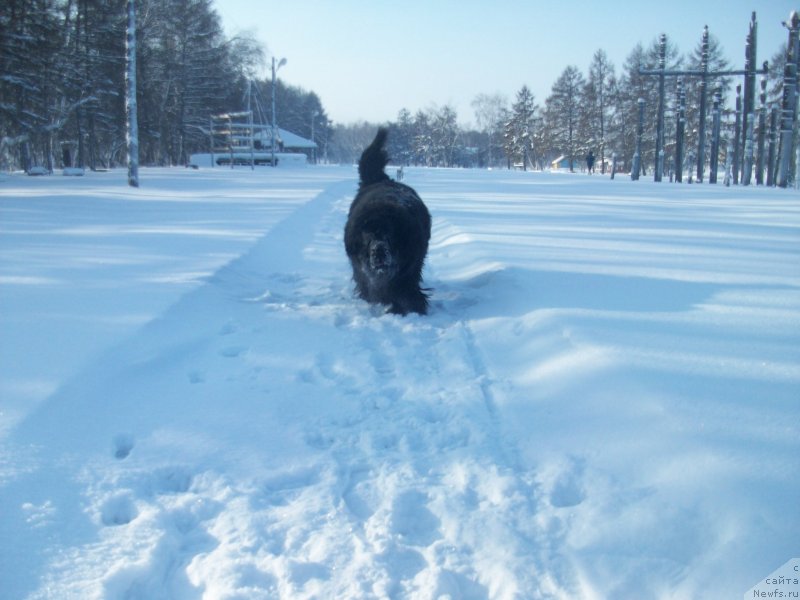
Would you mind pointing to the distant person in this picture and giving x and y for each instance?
(590, 162)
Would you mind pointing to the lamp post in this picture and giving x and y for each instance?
(314, 115)
(274, 71)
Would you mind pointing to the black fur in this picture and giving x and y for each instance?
(386, 236)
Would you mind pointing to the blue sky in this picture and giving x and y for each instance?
(368, 59)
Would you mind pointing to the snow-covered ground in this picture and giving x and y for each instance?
(603, 403)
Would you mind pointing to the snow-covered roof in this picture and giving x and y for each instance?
(292, 140)
(289, 139)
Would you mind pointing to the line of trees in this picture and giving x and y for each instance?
(62, 82)
(62, 70)
(595, 111)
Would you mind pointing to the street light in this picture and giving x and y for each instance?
(274, 70)
(314, 115)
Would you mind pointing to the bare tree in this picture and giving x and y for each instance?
(489, 114)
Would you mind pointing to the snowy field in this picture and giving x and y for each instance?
(603, 403)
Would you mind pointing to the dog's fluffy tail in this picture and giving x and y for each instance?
(374, 160)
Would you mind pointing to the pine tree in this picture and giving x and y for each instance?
(629, 90)
(597, 104)
(63, 65)
(93, 77)
(444, 133)
(31, 40)
(563, 112)
(401, 140)
(187, 74)
(520, 131)
(422, 139)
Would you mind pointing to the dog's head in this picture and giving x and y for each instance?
(378, 258)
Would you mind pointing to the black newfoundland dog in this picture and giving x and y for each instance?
(386, 236)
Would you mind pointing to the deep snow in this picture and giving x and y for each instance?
(603, 402)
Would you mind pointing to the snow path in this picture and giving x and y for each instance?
(366, 502)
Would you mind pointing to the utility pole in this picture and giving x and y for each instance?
(789, 101)
(274, 71)
(701, 145)
(662, 60)
(762, 132)
(704, 74)
(715, 130)
(681, 127)
(748, 112)
(737, 136)
(637, 155)
(773, 144)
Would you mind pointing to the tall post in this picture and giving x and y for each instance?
(749, 150)
(679, 129)
(252, 138)
(789, 101)
(715, 131)
(773, 144)
(737, 142)
(231, 141)
(745, 105)
(728, 159)
(272, 145)
(637, 155)
(274, 71)
(797, 168)
(662, 61)
(314, 115)
(132, 133)
(211, 139)
(701, 143)
(762, 132)
(749, 88)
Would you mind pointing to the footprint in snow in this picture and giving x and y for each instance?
(568, 488)
(282, 488)
(122, 444)
(381, 363)
(342, 321)
(228, 328)
(413, 521)
(356, 495)
(303, 572)
(119, 509)
(232, 351)
(171, 480)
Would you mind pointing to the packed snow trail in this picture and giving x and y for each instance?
(271, 436)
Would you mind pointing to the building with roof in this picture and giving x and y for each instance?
(236, 140)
